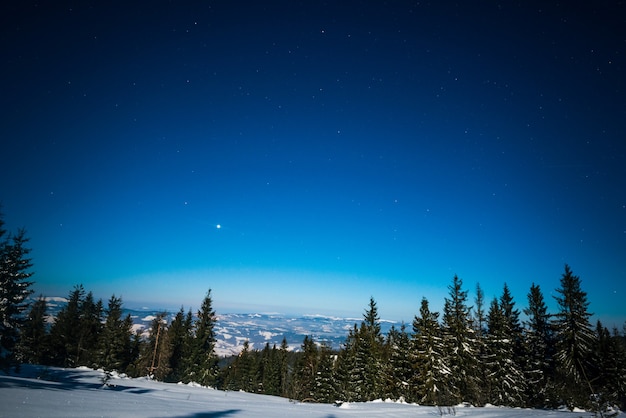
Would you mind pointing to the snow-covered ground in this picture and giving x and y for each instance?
(57, 392)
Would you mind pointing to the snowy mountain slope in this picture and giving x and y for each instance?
(57, 392)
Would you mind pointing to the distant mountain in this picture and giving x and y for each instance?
(233, 329)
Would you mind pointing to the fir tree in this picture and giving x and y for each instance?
(305, 370)
(398, 368)
(34, 341)
(505, 379)
(460, 354)
(283, 365)
(154, 351)
(574, 339)
(270, 370)
(115, 339)
(203, 361)
(90, 326)
(480, 323)
(348, 370)
(369, 353)
(479, 318)
(325, 389)
(609, 370)
(539, 353)
(179, 340)
(14, 291)
(242, 372)
(432, 380)
(65, 332)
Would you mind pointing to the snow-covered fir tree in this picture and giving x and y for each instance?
(432, 383)
(539, 349)
(203, 361)
(461, 354)
(114, 347)
(574, 340)
(325, 388)
(179, 336)
(397, 366)
(505, 379)
(34, 339)
(14, 291)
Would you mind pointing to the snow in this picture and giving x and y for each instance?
(56, 392)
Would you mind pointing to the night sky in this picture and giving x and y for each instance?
(300, 157)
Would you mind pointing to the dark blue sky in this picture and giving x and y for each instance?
(346, 150)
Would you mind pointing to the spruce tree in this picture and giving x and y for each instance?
(156, 353)
(243, 371)
(480, 323)
(65, 331)
(609, 370)
(34, 340)
(283, 364)
(348, 371)
(461, 355)
(397, 365)
(270, 370)
(325, 389)
(369, 353)
(179, 339)
(90, 327)
(203, 361)
(305, 370)
(574, 340)
(505, 379)
(539, 349)
(14, 291)
(115, 338)
(432, 382)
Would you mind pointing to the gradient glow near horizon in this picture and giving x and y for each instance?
(302, 158)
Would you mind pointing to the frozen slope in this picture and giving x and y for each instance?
(56, 392)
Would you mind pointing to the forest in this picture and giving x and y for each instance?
(475, 351)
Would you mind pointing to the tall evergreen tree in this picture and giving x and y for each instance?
(283, 364)
(432, 381)
(512, 321)
(303, 387)
(242, 372)
(14, 291)
(325, 389)
(348, 370)
(65, 331)
(369, 353)
(460, 344)
(479, 317)
(575, 339)
(115, 339)
(539, 352)
(203, 361)
(505, 379)
(397, 365)
(609, 370)
(480, 324)
(34, 342)
(156, 354)
(90, 327)
(270, 370)
(179, 339)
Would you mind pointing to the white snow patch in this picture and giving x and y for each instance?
(56, 392)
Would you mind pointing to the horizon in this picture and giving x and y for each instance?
(233, 307)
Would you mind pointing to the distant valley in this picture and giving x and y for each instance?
(233, 329)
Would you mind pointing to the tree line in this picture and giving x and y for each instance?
(481, 354)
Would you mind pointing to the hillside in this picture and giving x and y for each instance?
(57, 392)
